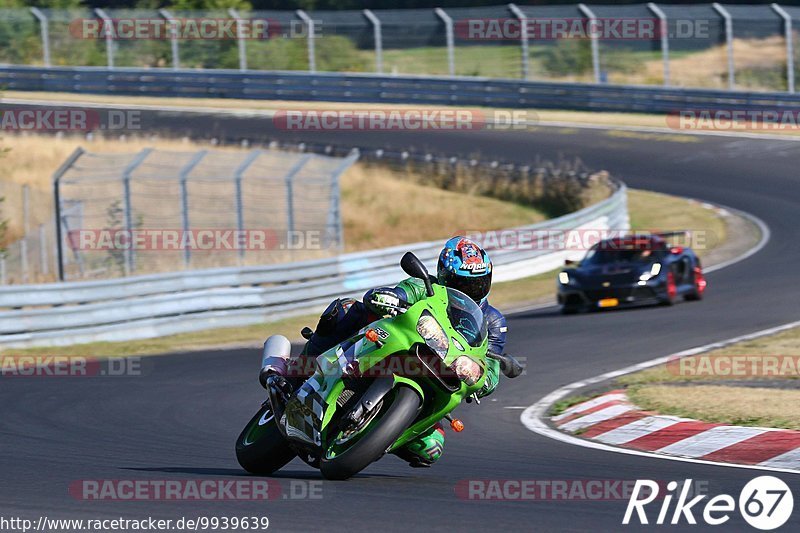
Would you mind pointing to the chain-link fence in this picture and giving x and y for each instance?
(710, 45)
(27, 239)
(160, 211)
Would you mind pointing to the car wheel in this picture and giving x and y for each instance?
(699, 285)
(568, 310)
(670, 290)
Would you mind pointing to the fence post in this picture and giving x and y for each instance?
(66, 165)
(729, 38)
(664, 29)
(130, 254)
(45, 33)
(335, 213)
(240, 41)
(448, 28)
(378, 37)
(523, 37)
(44, 267)
(289, 181)
(238, 176)
(109, 35)
(183, 177)
(173, 37)
(593, 37)
(312, 61)
(23, 243)
(789, 37)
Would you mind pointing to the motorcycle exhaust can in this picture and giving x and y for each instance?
(275, 356)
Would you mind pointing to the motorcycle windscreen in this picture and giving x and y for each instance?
(467, 318)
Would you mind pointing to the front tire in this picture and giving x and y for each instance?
(699, 289)
(670, 290)
(261, 448)
(380, 435)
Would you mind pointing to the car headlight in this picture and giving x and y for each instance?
(653, 272)
(563, 277)
(435, 337)
(467, 370)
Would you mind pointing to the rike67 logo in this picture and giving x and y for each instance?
(765, 503)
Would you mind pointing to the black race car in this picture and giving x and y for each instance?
(631, 270)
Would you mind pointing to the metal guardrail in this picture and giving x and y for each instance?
(164, 304)
(367, 88)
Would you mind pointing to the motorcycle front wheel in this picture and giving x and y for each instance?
(351, 452)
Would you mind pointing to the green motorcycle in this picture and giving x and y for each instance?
(378, 390)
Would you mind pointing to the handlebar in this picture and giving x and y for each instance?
(509, 366)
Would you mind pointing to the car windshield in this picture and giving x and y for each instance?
(466, 317)
(597, 256)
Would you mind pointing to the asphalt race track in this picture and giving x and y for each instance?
(180, 419)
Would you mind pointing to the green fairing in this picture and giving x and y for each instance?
(399, 336)
(415, 291)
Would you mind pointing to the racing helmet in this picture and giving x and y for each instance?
(466, 267)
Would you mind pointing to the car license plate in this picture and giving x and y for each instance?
(608, 302)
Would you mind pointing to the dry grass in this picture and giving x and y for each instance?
(665, 390)
(653, 211)
(786, 343)
(381, 207)
(709, 67)
(742, 406)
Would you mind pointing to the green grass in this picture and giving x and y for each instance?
(716, 398)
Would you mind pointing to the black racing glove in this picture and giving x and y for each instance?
(384, 303)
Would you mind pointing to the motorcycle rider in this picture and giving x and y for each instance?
(464, 266)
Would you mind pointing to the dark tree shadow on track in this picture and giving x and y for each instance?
(237, 472)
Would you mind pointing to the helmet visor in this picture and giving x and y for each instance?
(476, 288)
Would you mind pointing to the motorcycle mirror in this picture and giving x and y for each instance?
(569, 262)
(412, 266)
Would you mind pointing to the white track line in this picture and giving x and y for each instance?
(711, 440)
(581, 407)
(638, 428)
(597, 417)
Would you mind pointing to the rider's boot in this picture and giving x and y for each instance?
(424, 450)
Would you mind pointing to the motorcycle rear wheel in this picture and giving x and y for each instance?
(261, 448)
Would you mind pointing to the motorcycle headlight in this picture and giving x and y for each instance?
(467, 370)
(435, 337)
(563, 277)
